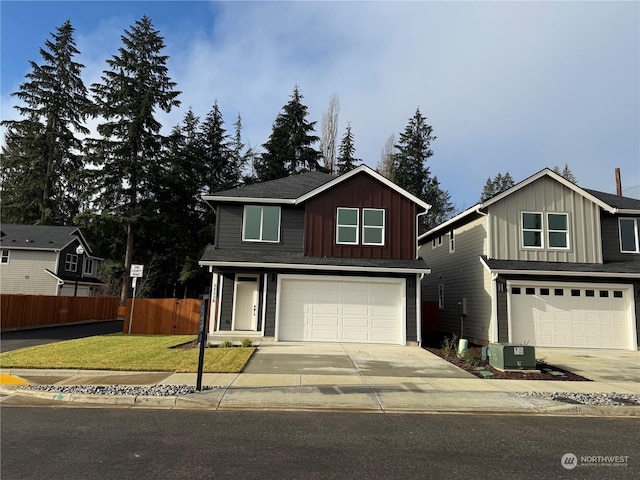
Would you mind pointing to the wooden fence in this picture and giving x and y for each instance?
(162, 316)
(28, 311)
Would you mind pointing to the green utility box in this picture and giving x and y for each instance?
(512, 357)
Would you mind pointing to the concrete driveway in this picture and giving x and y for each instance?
(597, 364)
(350, 359)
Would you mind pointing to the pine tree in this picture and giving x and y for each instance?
(566, 173)
(497, 185)
(220, 169)
(40, 163)
(346, 161)
(136, 84)
(289, 149)
(414, 150)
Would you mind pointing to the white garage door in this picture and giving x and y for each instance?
(571, 315)
(339, 309)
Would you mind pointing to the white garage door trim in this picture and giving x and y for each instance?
(400, 282)
(516, 333)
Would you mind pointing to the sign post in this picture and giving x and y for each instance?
(136, 272)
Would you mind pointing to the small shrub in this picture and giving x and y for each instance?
(450, 346)
(470, 358)
(226, 344)
(246, 342)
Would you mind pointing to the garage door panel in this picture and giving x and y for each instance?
(575, 319)
(340, 309)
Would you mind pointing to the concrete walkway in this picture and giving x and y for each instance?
(359, 378)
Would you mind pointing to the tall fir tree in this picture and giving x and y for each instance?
(220, 162)
(346, 160)
(497, 185)
(566, 173)
(289, 149)
(40, 162)
(131, 90)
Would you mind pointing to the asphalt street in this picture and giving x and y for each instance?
(81, 443)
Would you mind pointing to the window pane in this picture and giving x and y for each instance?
(532, 220)
(628, 235)
(557, 221)
(347, 216)
(347, 234)
(372, 235)
(373, 218)
(558, 239)
(271, 224)
(252, 216)
(532, 239)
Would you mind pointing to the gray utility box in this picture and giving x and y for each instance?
(512, 357)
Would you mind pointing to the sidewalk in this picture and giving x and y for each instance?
(329, 392)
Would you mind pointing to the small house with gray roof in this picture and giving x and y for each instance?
(47, 260)
(317, 258)
(544, 263)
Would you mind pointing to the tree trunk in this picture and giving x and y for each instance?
(128, 257)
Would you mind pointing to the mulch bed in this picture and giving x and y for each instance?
(499, 375)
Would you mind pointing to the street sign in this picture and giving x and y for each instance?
(136, 271)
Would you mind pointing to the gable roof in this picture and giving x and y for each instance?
(39, 237)
(608, 202)
(296, 189)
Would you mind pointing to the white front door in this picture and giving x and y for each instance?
(245, 303)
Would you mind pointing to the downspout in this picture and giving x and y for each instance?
(418, 286)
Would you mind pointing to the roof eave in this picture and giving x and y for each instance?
(304, 266)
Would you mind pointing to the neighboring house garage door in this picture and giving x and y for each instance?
(341, 309)
(571, 315)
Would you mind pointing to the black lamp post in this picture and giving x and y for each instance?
(79, 251)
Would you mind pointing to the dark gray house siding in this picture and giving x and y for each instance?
(611, 240)
(226, 301)
(229, 230)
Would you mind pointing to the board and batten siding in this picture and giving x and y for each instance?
(546, 195)
(229, 230)
(611, 248)
(463, 276)
(25, 273)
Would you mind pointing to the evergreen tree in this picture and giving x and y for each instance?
(289, 149)
(220, 169)
(40, 163)
(136, 84)
(441, 207)
(566, 173)
(346, 161)
(499, 184)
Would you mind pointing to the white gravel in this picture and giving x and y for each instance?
(602, 399)
(154, 390)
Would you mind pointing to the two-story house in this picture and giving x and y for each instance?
(314, 257)
(46, 260)
(544, 263)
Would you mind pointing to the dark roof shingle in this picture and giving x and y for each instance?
(286, 188)
(37, 237)
(616, 201)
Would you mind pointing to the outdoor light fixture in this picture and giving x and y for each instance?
(79, 251)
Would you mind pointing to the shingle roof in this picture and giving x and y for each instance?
(628, 268)
(251, 258)
(616, 201)
(37, 237)
(286, 188)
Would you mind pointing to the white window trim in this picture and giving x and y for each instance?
(566, 232)
(383, 227)
(5, 255)
(541, 230)
(88, 262)
(244, 223)
(71, 262)
(452, 241)
(441, 296)
(636, 222)
(356, 226)
(436, 242)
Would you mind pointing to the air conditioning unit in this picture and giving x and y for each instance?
(512, 357)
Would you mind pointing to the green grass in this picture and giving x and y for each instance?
(128, 352)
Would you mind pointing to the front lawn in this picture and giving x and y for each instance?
(128, 352)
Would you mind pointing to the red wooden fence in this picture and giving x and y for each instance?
(162, 316)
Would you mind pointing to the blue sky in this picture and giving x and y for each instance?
(507, 86)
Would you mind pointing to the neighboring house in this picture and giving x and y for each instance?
(46, 260)
(544, 263)
(314, 257)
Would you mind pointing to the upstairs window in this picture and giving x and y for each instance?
(347, 229)
(372, 226)
(71, 262)
(629, 235)
(532, 230)
(452, 241)
(261, 224)
(4, 257)
(436, 242)
(88, 266)
(558, 226)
